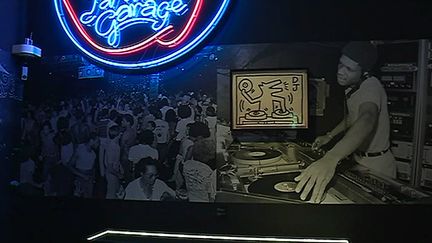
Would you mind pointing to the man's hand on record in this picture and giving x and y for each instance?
(316, 176)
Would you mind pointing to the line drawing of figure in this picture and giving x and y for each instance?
(270, 102)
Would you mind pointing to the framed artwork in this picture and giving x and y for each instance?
(269, 99)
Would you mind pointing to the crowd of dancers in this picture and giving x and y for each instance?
(121, 146)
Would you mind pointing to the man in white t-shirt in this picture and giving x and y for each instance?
(162, 136)
(144, 148)
(165, 107)
(366, 124)
(211, 121)
(184, 112)
(199, 172)
(147, 186)
(109, 160)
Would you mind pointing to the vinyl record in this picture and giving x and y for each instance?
(256, 115)
(279, 114)
(266, 186)
(257, 156)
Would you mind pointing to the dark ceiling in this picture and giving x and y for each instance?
(270, 21)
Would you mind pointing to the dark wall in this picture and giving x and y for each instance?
(12, 28)
(13, 19)
(251, 21)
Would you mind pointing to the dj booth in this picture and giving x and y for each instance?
(264, 172)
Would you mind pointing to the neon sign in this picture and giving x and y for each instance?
(138, 34)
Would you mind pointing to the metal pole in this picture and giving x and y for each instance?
(420, 112)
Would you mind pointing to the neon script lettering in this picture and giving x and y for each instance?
(110, 17)
(139, 34)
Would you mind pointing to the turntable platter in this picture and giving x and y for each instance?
(280, 186)
(257, 156)
(256, 115)
(280, 114)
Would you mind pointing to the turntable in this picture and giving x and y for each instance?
(253, 159)
(265, 172)
(256, 156)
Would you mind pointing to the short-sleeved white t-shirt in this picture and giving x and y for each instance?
(134, 191)
(141, 151)
(372, 91)
(200, 181)
(181, 128)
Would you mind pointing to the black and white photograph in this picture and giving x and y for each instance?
(127, 137)
(359, 150)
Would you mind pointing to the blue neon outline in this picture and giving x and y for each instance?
(153, 63)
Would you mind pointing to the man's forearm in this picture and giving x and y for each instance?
(355, 136)
(342, 126)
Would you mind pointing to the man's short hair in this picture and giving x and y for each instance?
(157, 114)
(129, 119)
(204, 151)
(146, 137)
(141, 166)
(184, 111)
(152, 123)
(114, 128)
(171, 116)
(163, 102)
(198, 129)
(210, 111)
(362, 52)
